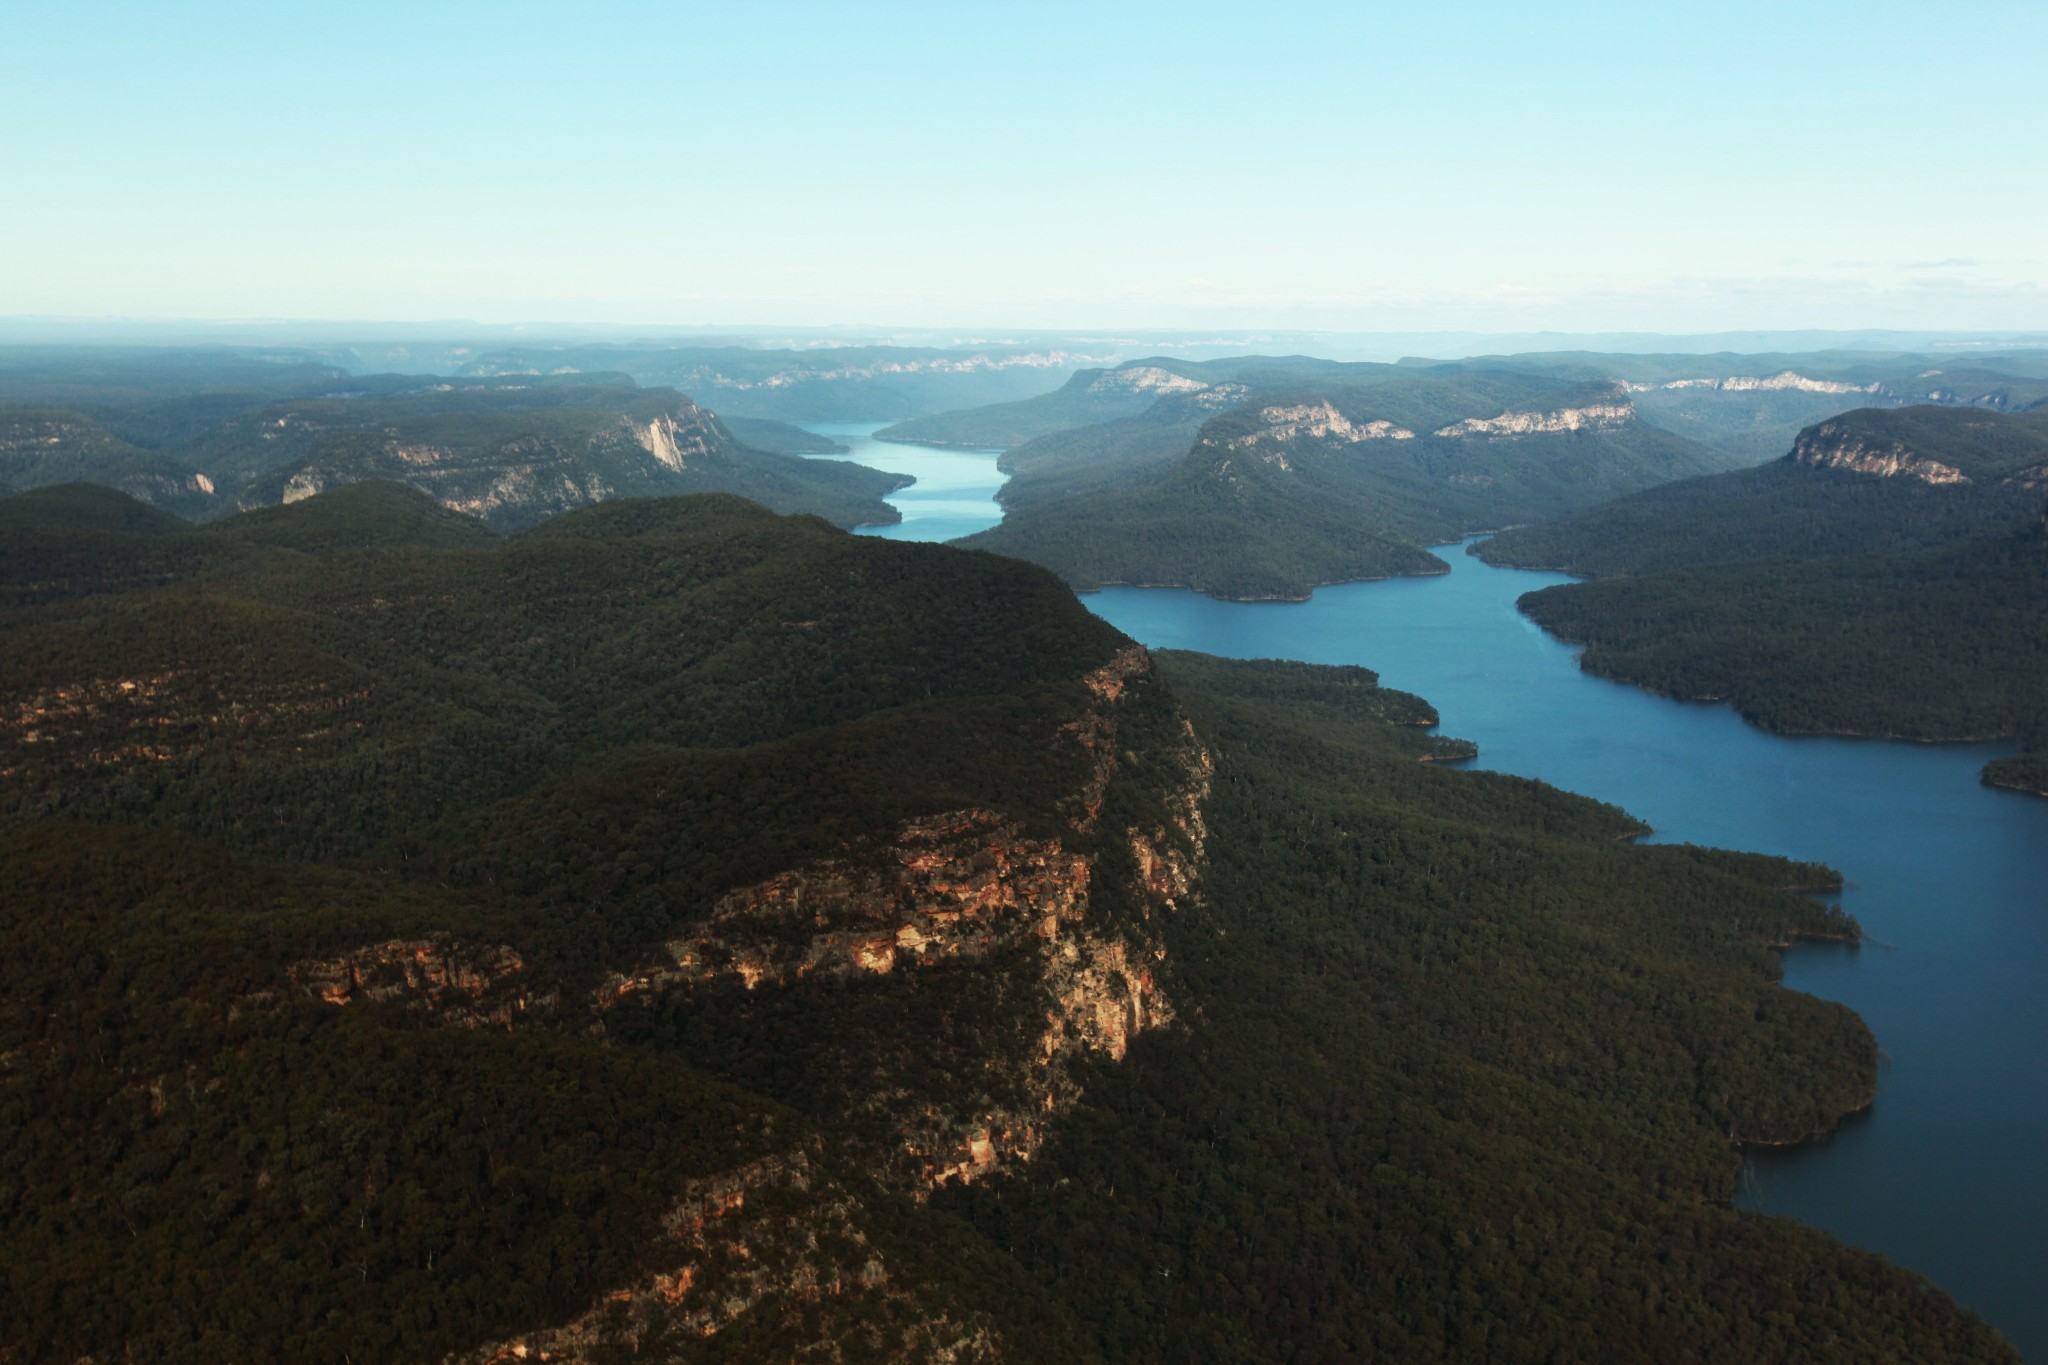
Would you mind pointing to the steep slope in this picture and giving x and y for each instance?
(1296, 487)
(779, 438)
(41, 446)
(1751, 406)
(1426, 1056)
(678, 765)
(356, 516)
(509, 450)
(684, 933)
(1870, 481)
(1092, 397)
(512, 456)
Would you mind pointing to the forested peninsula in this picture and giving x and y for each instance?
(1272, 482)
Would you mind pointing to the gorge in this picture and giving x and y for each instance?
(1945, 875)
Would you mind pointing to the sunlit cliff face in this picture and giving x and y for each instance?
(968, 892)
(1831, 445)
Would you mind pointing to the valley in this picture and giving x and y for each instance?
(948, 937)
(1944, 874)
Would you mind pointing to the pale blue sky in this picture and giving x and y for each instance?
(1497, 166)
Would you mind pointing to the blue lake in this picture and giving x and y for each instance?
(1948, 1174)
(954, 494)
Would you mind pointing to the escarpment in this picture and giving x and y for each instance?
(776, 1233)
(644, 908)
(1057, 928)
(1833, 445)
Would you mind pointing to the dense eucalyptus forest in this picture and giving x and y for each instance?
(1888, 577)
(683, 930)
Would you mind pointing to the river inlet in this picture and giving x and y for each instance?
(1946, 1174)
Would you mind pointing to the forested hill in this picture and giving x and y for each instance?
(687, 933)
(1868, 482)
(1095, 396)
(1297, 486)
(1751, 406)
(201, 435)
(1888, 577)
(1748, 407)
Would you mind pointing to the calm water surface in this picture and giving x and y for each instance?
(1949, 1172)
(955, 490)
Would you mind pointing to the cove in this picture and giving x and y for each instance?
(1946, 1174)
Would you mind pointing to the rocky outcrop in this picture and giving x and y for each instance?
(1591, 417)
(684, 433)
(512, 475)
(971, 887)
(41, 446)
(944, 888)
(154, 717)
(1785, 381)
(1145, 379)
(1317, 421)
(775, 1238)
(465, 984)
(1217, 397)
(1834, 445)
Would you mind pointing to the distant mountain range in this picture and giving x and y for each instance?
(200, 436)
(1263, 479)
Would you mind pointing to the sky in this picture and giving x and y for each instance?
(1669, 166)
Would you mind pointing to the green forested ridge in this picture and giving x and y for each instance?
(1456, 1068)
(1751, 406)
(200, 435)
(1299, 485)
(357, 516)
(781, 438)
(1790, 509)
(567, 744)
(1829, 600)
(1949, 645)
(1070, 462)
(1447, 1100)
(44, 445)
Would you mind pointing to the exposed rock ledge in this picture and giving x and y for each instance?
(1593, 417)
(1321, 421)
(776, 1229)
(1831, 445)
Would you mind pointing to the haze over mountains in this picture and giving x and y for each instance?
(1245, 476)
(540, 902)
(211, 432)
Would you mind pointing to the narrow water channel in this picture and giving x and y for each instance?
(1948, 1174)
(955, 492)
